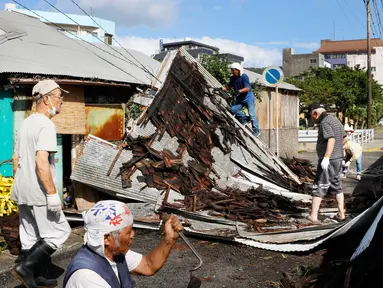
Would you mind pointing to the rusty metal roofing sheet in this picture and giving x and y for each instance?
(92, 166)
(106, 121)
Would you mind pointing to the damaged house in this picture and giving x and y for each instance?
(189, 156)
(100, 78)
(186, 154)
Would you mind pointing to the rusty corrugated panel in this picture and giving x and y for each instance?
(106, 121)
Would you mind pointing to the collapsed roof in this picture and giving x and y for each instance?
(188, 155)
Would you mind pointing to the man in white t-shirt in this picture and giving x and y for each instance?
(105, 261)
(43, 227)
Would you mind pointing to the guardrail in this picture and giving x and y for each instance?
(360, 136)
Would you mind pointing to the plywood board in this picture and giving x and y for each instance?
(71, 120)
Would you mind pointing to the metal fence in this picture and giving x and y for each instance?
(360, 136)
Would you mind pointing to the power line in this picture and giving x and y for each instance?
(377, 15)
(88, 43)
(58, 10)
(345, 14)
(356, 17)
(74, 2)
(374, 29)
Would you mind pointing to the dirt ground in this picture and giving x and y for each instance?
(225, 264)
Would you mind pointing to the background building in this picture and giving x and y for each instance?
(295, 64)
(87, 30)
(334, 54)
(354, 52)
(194, 48)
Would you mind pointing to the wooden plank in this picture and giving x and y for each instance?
(85, 196)
(267, 151)
(71, 120)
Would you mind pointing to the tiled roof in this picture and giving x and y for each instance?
(348, 46)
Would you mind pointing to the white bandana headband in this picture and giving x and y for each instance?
(105, 217)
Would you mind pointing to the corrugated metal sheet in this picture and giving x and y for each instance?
(363, 219)
(94, 163)
(105, 121)
(44, 50)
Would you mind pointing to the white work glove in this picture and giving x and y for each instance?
(325, 162)
(54, 203)
(347, 164)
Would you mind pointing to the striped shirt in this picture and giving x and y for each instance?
(330, 127)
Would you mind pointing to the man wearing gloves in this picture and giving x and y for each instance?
(245, 97)
(353, 152)
(43, 227)
(105, 261)
(330, 156)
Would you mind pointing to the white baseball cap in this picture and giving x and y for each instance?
(44, 87)
(237, 66)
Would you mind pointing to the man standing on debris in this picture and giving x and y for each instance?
(106, 260)
(43, 226)
(330, 156)
(245, 97)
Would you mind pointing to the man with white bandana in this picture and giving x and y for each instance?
(43, 226)
(106, 260)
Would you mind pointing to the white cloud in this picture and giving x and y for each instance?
(152, 13)
(254, 56)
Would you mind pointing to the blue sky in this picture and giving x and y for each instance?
(259, 30)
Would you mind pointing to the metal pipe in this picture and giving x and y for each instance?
(182, 235)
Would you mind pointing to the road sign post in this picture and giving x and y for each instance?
(273, 76)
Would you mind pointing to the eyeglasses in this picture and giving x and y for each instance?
(59, 97)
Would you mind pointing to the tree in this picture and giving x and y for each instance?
(343, 88)
(217, 66)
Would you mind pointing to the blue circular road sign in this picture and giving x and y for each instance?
(273, 76)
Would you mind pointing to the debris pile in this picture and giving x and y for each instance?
(302, 168)
(256, 207)
(9, 230)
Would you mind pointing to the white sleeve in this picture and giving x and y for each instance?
(133, 259)
(85, 278)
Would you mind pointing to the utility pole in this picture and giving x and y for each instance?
(369, 104)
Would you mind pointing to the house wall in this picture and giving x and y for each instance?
(70, 121)
(376, 63)
(288, 123)
(6, 135)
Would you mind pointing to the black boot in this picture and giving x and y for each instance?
(27, 266)
(21, 256)
(41, 281)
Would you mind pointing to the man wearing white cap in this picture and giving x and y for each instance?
(43, 227)
(105, 260)
(240, 82)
